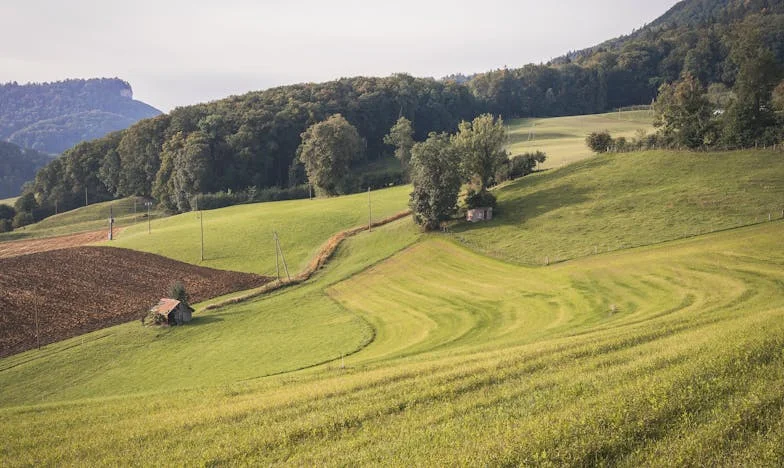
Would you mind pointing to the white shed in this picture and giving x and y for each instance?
(479, 214)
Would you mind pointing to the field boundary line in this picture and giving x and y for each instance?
(323, 255)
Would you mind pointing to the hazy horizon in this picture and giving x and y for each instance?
(190, 52)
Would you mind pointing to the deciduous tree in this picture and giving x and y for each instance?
(436, 178)
(328, 150)
(401, 136)
(683, 113)
(480, 145)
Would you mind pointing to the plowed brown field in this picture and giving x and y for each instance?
(82, 289)
(28, 246)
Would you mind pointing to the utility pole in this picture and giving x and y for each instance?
(279, 250)
(85, 195)
(148, 204)
(37, 325)
(111, 223)
(201, 222)
(277, 263)
(370, 213)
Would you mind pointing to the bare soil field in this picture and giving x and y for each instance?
(82, 289)
(28, 246)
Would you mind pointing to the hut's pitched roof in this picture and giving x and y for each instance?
(165, 306)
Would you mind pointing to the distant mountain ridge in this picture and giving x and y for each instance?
(52, 117)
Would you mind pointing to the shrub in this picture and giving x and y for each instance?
(599, 142)
(7, 212)
(213, 201)
(23, 218)
(6, 225)
(382, 179)
(524, 164)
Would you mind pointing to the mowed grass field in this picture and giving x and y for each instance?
(616, 201)
(240, 238)
(412, 349)
(665, 355)
(563, 138)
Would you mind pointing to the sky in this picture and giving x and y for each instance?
(181, 52)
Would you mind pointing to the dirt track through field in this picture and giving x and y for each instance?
(82, 289)
(28, 246)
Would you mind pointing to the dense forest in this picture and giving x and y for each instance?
(695, 36)
(252, 140)
(17, 166)
(52, 117)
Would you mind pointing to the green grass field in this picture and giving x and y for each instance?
(563, 138)
(284, 331)
(666, 355)
(412, 349)
(87, 218)
(240, 238)
(617, 201)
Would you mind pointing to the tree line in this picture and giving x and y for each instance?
(256, 141)
(244, 141)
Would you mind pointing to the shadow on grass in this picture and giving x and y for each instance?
(515, 211)
(533, 196)
(204, 320)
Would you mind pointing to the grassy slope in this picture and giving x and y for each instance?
(284, 331)
(89, 218)
(563, 138)
(616, 201)
(239, 238)
(9, 201)
(524, 366)
(474, 360)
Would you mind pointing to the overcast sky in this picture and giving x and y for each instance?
(180, 52)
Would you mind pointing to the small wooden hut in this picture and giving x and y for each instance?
(173, 311)
(479, 214)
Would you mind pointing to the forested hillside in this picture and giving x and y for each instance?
(18, 166)
(243, 141)
(695, 36)
(52, 117)
(252, 140)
